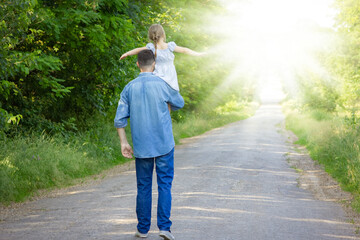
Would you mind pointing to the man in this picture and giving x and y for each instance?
(145, 100)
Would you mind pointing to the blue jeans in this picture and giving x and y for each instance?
(144, 176)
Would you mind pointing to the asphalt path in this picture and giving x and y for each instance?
(230, 183)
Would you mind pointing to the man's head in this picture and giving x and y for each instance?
(146, 61)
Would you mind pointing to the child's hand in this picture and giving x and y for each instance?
(203, 54)
(199, 54)
(123, 56)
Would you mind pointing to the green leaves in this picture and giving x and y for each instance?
(59, 59)
(6, 119)
(343, 62)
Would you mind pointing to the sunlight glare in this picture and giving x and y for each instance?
(271, 40)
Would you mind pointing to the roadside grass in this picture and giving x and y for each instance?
(31, 163)
(198, 123)
(333, 143)
(43, 162)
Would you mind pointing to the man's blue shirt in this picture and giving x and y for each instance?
(145, 100)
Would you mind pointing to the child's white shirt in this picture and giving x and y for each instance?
(164, 64)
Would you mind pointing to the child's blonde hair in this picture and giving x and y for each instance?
(156, 31)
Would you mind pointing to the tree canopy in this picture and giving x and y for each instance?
(59, 60)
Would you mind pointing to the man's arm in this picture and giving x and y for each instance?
(120, 122)
(126, 149)
(176, 101)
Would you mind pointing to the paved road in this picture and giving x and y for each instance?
(231, 183)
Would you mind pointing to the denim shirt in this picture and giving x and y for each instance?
(145, 100)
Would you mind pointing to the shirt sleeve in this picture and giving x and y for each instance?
(151, 47)
(171, 46)
(122, 112)
(175, 99)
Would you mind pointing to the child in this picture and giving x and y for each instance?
(164, 57)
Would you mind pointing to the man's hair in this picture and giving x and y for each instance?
(146, 58)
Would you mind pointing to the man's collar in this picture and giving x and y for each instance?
(146, 73)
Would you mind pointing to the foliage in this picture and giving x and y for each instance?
(347, 63)
(331, 143)
(200, 122)
(336, 87)
(326, 116)
(59, 59)
(42, 162)
(317, 92)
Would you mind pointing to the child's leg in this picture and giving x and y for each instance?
(169, 106)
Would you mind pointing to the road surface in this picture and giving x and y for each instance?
(230, 183)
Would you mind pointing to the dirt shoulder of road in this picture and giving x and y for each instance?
(315, 179)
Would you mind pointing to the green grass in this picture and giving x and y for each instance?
(41, 162)
(332, 143)
(28, 164)
(197, 124)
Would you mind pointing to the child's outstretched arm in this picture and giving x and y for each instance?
(188, 51)
(132, 52)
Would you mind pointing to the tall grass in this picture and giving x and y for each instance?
(41, 162)
(332, 142)
(28, 164)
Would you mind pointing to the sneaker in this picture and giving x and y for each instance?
(140, 235)
(166, 235)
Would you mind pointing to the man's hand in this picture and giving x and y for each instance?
(126, 150)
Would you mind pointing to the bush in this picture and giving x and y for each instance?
(41, 162)
(331, 143)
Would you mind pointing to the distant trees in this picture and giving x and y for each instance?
(347, 63)
(337, 89)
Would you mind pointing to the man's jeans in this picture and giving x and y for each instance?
(144, 176)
